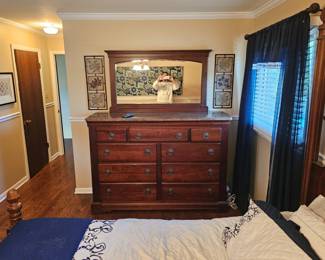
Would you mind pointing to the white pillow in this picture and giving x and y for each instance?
(318, 206)
(312, 227)
(257, 236)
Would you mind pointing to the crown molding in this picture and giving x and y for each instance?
(19, 25)
(156, 16)
(269, 5)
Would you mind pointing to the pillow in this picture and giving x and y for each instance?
(312, 227)
(318, 206)
(262, 233)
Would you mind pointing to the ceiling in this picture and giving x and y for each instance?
(35, 12)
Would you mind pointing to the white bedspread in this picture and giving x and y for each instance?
(138, 239)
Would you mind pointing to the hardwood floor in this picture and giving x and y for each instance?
(51, 194)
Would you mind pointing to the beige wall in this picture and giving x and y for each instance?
(263, 146)
(93, 37)
(12, 149)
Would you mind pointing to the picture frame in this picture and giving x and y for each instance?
(223, 80)
(96, 82)
(7, 88)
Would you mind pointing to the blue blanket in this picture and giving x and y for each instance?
(44, 239)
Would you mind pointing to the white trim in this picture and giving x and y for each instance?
(235, 118)
(9, 117)
(54, 156)
(77, 119)
(264, 135)
(172, 15)
(50, 104)
(321, 158)
(55, 88)
(83, 191)
(17, 185)
(20, 25)
(267, 7)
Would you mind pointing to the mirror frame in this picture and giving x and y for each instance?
(116, 57)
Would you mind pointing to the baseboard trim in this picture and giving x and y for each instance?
(54, 156)
(83, 191)
(17, 185)
(321, 158)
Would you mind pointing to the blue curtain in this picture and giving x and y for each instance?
(285, 42)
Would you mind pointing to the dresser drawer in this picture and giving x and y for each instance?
(158, 134)
(127, 172)
(126, 152)
(191, 152)
(107, 134)
(206, 134)
(192, 172)
(190, 192)
(127, 192)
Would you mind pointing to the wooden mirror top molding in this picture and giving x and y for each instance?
(118, 56)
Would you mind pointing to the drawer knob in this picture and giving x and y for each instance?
(108, 190)
(108, 171)
(147, 151)
(206, 135)
(147, 191)
(138, 136)
(211, 151)
(147, 171)
(170, 191)
(171, 151)
(210, 191)
(179, 135)
(170, 171)
(111, 135)
(106, 151)
(210, 172)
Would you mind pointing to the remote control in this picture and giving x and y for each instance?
(128, 115)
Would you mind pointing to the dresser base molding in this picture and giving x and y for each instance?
(99, 207)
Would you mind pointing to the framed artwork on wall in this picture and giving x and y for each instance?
(223, 80)
(7, 88)
(96, 82)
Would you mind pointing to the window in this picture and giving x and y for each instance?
(266, 76)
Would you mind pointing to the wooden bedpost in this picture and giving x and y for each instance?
(316, 113)
(14, 207)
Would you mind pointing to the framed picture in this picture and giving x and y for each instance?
(7, 88)
(223, 80)
(96, 82)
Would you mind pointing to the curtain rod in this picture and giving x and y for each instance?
(312, 9)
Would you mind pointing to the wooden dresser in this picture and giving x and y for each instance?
(158, 161)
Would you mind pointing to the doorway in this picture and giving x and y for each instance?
(63, 99)
(32, 107)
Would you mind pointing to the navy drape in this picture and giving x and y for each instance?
(285, 42)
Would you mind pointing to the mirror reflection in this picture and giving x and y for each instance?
(144, 81)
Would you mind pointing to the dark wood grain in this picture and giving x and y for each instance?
(201, 134)
(111, 134)
(158, 134)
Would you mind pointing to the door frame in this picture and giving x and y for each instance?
(56, 99)
(38, 51)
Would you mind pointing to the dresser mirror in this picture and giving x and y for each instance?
(158, 81)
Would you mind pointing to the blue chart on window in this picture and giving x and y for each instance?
(266, 77)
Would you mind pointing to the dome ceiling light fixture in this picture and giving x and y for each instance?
(50, 29)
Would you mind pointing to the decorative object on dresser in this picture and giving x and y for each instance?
(158, 161)
(7, 88)
(223, 80)
(96, 82)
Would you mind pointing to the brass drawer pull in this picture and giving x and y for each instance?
(205, 135)
(111, 135)
(210, 172)
(147, 191)
(147, 171)
(147, 151)
(170, 191)
(210, 191)
(171, 151)
(170, 171)
(106, 151)
(108, 171)
(179, 135)
(211, 151)
(138, 136)
(108, 190)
